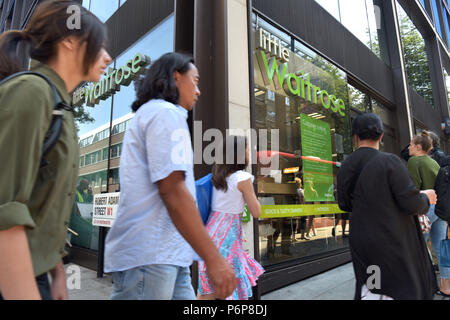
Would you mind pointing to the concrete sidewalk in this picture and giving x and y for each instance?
(336, 284)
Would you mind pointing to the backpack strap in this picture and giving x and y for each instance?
(53, 133)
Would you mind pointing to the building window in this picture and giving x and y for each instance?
(304, 116)
(436, 19)
(103, 9)
(416, 58)
(156, 42)
(364, 19)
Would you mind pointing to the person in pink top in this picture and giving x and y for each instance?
(233, 188)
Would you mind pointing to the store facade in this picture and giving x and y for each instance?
(289, 74)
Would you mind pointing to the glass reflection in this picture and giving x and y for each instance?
(305, 177)
(416, 58)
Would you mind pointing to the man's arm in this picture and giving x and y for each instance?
(186, 218)
(17, 280)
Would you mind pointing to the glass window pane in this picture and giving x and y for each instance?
(358, 99)
(332, 6)
(287, 115)
(354, 18)
(436, 17)
(416, 58)
(86, 4)
(104, 9)
(446, 18)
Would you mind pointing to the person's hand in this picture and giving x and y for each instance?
(222, 277)
(431, 194)
(59, 289)
(59, 286)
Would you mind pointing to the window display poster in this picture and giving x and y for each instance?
(318, 181)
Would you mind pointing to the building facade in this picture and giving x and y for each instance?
(289, 74)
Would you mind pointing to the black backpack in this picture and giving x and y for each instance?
(442, 187)
(54, 131)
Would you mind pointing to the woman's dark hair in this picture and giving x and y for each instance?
(47, 27)
(424, 141)
(159, 82)
(368, 126)
(233, 150)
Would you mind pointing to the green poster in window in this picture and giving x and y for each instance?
(318, 182)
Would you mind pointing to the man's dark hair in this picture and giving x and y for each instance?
(159, 82)
(368, 126)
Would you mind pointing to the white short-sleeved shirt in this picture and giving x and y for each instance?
(231, 201)
(156, 144)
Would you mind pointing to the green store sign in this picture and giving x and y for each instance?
(111, 83)
(298, 210)
(294, 84)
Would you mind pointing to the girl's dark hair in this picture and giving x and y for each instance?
(159, 82)
(424, 141)
(368, 126)
(47, 27)
(233, 152)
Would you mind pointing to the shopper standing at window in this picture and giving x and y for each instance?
(424, 171)
(35, 200)
(436, 153)
(390, 258)
(148, 249)
(233, 187)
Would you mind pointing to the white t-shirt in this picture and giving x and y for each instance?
(231, 201)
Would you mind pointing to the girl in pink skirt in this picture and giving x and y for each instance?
(233, 188)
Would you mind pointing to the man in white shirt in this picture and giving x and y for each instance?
(148, 249)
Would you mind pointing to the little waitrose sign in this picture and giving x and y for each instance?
(111, 83)
(274, 70)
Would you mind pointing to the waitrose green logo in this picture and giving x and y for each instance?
(92, 94)
(274, 70)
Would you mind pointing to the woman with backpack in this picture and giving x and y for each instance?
(424, 170)
(37, 192)
(233, 188)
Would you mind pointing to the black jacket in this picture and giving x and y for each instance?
(384, 229)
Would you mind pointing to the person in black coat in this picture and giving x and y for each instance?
(385, 234)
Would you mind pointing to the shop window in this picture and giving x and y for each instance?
(359, 100)
(416, 58)
(309, 131)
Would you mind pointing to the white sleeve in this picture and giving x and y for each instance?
(243, 175)
(167, 144)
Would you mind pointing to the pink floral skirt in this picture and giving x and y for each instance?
(225, 229)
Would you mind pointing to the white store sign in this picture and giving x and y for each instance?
(105, 209)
